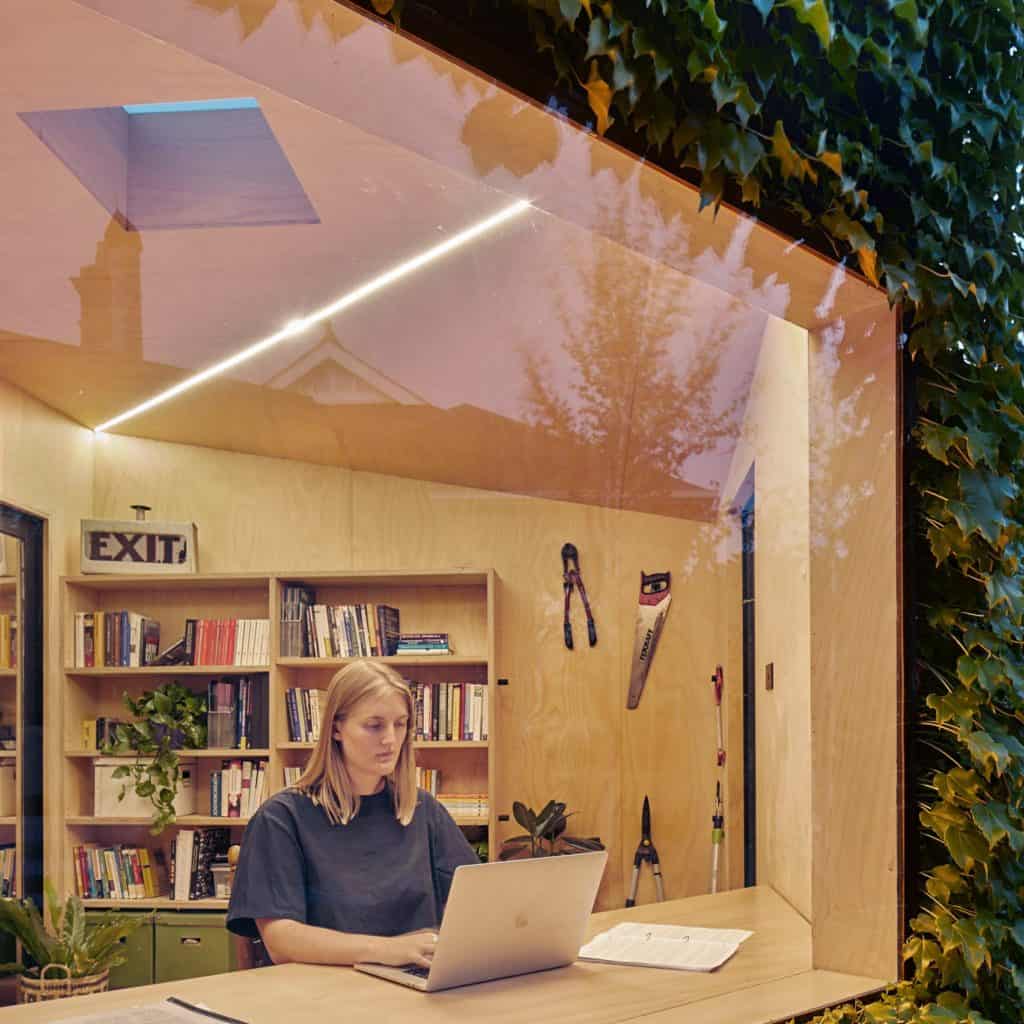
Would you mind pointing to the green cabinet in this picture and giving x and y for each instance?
(137, 949)
(191, 945)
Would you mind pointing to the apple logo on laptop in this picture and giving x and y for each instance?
(521, 920)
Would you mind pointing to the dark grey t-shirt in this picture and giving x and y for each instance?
(373, 876)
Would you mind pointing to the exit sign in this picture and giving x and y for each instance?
(134, 546)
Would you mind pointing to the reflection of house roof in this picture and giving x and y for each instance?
(332, 375)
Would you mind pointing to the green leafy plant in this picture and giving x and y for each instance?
(66, 941)
(546, 826)
(163, 719)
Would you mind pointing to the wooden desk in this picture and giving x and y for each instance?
(769, 979)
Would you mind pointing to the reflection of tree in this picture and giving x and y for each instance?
(253, 13)
(649, 382)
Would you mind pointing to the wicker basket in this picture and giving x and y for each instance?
(39, 990)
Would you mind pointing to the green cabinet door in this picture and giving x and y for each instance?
(137, 949)
(192, 945)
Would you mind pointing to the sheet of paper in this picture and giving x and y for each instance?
(148, 1013)
(676, 947)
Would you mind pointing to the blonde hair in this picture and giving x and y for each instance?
(326, 780)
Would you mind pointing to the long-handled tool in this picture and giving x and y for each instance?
(718, 682)
(650, 618)
(717, 835)
(571, 577)
(645, 852)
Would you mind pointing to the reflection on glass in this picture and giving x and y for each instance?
(10, 690)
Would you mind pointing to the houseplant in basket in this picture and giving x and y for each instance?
(63, 958)
(546, 826)
(163, 721)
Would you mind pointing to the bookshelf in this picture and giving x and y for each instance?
(459, 602)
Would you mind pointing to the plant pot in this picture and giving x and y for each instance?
(52, 984)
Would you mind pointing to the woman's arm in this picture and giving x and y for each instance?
(294, 942)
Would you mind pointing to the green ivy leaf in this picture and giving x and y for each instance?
(994, 821)
(982, 506)
(815, 14)
(988, 752)
(711, 21)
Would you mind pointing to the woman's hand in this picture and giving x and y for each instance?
(410, 948)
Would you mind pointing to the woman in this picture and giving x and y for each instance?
(353, 863)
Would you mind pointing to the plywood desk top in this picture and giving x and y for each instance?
(779, 953)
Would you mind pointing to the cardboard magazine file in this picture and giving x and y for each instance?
(107, 789)
(8, 790)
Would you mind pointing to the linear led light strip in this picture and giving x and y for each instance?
(294, 327)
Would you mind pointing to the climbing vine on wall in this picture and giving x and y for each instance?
(893, 128)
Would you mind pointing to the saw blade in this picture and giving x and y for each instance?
(655, 599)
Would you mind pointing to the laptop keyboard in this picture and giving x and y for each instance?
(420, 972)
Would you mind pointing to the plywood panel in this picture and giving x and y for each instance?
(855, 631)
(774, 447)
(670, 739)
(252, 513)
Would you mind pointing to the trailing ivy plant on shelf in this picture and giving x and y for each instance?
(544, 826)
(166, 719)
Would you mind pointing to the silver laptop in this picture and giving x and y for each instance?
(509, 917)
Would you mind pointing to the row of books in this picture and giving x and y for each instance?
(238, 788)
(428, 779)
(465, 805)
(348, 631)
(193, 852)
(424, 644)
(303, 708)
(450, 711)
(8, 641)
(8, 867)
(236, 717)
(116, 639)
(236, 713)
(98, 732)
(117, 872)
(292, 772)
(225, 642)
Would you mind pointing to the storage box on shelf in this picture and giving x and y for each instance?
(459, 603)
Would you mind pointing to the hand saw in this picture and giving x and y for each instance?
(650, 618)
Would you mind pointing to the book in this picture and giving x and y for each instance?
(673, 947)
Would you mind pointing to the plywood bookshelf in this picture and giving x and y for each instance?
(459, 602)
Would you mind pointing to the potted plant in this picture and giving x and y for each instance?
(66, 958)
(544, 826)
(166, 719)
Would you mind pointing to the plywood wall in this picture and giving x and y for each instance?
(774, 446)
(563, 730)
(855, 643)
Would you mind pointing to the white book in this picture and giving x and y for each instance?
(674, 947)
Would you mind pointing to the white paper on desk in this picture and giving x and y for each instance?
(150, 1013)
(676, 947)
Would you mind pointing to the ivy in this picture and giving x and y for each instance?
(895, 128)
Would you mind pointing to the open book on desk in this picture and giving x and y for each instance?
(665, 945)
